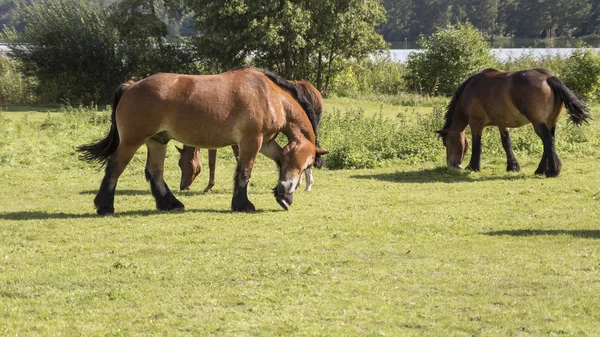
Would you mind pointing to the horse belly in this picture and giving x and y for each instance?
(508, 117)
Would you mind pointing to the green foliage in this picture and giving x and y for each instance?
(80, 53)
(298, 39)
(582, 73)
(407, 19)
(358, 141)
(553, 63)
(14, 86)
(378, 74)
(70, 49)
(447, 58)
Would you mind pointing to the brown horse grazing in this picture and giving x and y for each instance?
(191, 166)
(508, 100)
(244, 106)
(189, 158)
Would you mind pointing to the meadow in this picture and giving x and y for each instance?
(406, 248)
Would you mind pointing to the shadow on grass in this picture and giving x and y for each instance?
(439, 174)
(578, 233)
(40, 215)
(176, 192)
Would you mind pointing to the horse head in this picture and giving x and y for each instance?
(456, 144)
(189, 162)
(296, 156)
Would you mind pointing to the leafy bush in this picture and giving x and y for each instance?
(70, 49)
(553, 63)
(379, 74)
(448, 57)
(582, 73)
(14, 87)
(80, 53)
(357, 141)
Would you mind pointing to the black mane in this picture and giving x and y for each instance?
(454, 101)
(297, 94)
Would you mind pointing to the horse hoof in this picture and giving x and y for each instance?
(245, 208)
(513, 168)
(105, 211)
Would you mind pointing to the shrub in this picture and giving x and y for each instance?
(379, 74)
(550, 62)
(14, 87)
(582, 73)
(448, 57)
(80, 53)
(357, 141)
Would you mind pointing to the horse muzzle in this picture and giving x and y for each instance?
(284, 194)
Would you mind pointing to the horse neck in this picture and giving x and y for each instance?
(459, 121)
(298, 125)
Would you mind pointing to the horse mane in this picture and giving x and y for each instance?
(454, 101)
(304, 94)
(313, 95)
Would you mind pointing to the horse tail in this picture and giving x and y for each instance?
(578, 111)
(102, 150)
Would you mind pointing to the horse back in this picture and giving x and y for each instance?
(507, 99)
(206, 111)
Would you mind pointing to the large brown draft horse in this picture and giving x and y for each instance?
(244, 106)
(189, 156)
(509, 100)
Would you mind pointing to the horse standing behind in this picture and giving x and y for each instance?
(509, 100)
(244, 106)
(189, 156)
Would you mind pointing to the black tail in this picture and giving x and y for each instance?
(103, 149)
(578, 111)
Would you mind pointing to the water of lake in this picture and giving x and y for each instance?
(502, 54)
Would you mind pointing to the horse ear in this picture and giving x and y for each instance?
(179, 149)
(321, 151)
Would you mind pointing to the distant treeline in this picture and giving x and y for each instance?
(408, 19)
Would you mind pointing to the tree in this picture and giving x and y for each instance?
(448, 57)
(300, 39)
(70, 49)
(80, 52)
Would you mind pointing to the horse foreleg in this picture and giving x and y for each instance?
(248, 152)
(105, 198)
(165, 200)
(212, 160)
(309, 179)
(475, 162)
(511, 161)
(550, 163)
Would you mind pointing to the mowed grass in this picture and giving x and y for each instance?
(399, 250)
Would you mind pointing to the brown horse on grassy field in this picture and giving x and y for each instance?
(244, 106)
(189, 156)
(508, 100)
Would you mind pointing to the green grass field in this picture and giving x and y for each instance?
(402, 250)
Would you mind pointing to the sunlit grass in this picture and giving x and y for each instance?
(399, 250)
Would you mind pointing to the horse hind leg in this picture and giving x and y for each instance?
(165, 200)
(105, 198)
(512, 165)
(550, 163)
